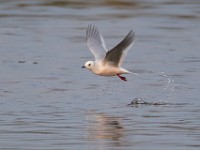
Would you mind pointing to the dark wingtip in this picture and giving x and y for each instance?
(131, 34)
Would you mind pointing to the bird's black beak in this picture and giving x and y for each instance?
(83, 66)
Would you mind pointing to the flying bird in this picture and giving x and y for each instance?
(107, 62)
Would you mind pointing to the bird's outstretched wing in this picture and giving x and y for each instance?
(116, 55)
(95, 42)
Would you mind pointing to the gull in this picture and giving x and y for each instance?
(107, 62)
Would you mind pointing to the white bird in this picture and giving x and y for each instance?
(107, 63)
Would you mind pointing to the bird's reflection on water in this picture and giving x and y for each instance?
(103, 126)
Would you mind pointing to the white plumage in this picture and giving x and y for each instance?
(107, 63)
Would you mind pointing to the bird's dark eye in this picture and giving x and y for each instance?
(89, 64)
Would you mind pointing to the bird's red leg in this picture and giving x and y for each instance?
(121, 77)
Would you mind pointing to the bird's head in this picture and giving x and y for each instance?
(89, 65)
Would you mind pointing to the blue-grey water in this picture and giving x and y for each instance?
(48, 102)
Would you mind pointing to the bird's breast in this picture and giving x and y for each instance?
(107, 71)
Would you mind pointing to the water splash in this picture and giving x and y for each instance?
(162, 90)
(139, 101)
(169, 87)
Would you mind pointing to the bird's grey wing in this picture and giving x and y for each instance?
(95, 42)
(116, 55)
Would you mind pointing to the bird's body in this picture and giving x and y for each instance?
(104, 69)
(107, 63)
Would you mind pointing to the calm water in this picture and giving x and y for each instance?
(48, 102)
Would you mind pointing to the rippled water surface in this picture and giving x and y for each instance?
(48, 102)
